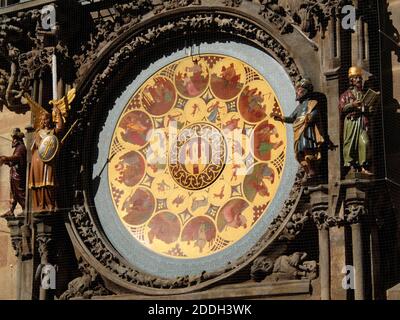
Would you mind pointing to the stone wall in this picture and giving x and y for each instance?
(8, 262)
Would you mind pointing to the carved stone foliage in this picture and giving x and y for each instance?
(293, 222)
(25, 50)
(285, 267)
(207, 22)
(354, 211)
(310, 15)
(232, 3)
(126, 16)
(323, 221)
(85, 286)
(16, 243)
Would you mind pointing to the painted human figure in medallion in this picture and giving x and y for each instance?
(158, 96)
(165, 227)
(130, 168)
(265, 140)
(139, 206)
(200, 230)
(227, 79)
(136, 127)
(191, 77)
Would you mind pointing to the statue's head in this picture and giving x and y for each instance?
(303, 88)
(17, 135)
(45, 120)
(355, 77)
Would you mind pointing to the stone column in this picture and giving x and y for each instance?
(354, 211)
(45, 224)
(15, 225)
(319, 209)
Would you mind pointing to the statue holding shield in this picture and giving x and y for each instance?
(46, 143)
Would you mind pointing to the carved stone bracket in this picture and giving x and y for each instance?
(15, 225)
(319, 207)
(355, 207)
(44, 234)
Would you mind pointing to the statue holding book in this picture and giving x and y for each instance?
(355, 105)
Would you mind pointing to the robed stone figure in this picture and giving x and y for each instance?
(46, 143)
(356, 144)
(17, 164)
(307, 127)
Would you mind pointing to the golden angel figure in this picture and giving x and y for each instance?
(46, 143)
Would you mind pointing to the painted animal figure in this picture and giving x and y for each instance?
(178, 200)
(198, 203)
(221, 194)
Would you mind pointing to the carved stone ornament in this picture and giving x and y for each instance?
(43, 241)
(323, 220)
(285, 267)
(310, 16)
(195, 23)
(294, 220)
(16, 243)
(27, 50)
(354, 211)
(85, 286)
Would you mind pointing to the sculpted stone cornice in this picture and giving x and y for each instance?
(180, 25)
(310, 16)
(22, 45)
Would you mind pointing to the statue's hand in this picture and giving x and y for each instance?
(276, 116)
(356, 104)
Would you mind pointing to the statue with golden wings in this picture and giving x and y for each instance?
(46, 143)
